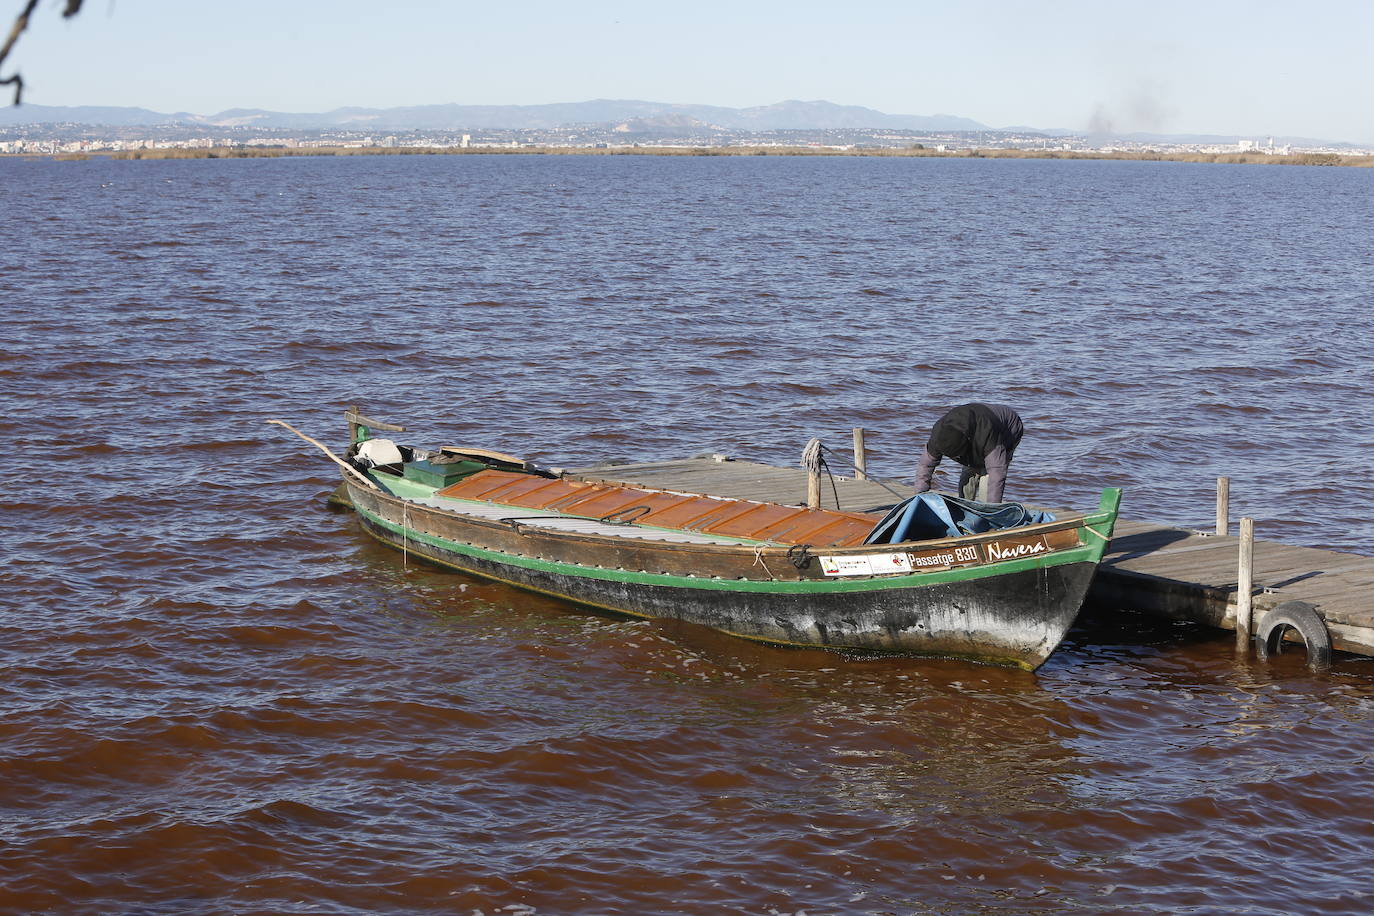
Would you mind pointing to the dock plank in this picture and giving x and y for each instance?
(747, 480)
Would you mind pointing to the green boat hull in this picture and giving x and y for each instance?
(1014, 612)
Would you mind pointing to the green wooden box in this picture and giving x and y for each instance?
(436, 475)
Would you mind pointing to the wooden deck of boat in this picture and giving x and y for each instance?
(1174, 572)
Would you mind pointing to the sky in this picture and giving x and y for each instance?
(1255, 68)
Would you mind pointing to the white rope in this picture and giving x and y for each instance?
(811, 456)
(758, 561)
(813, 459)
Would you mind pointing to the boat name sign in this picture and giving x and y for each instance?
(877, 564)
(1017, 549)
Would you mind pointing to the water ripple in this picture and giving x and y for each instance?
(220, 696)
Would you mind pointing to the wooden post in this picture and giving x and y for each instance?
(351, 415)
(860, 455)
(1246, 584)
(813, 489)
(1223, 505)
(358, 422)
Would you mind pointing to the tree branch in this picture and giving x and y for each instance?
(21, 23)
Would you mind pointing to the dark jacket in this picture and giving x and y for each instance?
(981, 437)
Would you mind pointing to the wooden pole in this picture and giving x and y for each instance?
(348, 468)
(860, 455)
(1246, 584)
(813, 488)
(357, 421)
(351, 415)
(1223, 505)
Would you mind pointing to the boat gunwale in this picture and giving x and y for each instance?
(916, 579)
(1084, 550)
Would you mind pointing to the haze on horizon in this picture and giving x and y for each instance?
(1256, 68)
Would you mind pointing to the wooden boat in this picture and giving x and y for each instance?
(781, 574)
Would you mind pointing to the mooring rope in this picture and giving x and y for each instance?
(814, 459)
(811, 456)
(759, 561)
(866, 476)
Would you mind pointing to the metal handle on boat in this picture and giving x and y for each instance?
(622, 516)
(516, 520)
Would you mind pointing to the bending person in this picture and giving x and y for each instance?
(981, 438)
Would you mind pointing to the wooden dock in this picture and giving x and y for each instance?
(1158, 569)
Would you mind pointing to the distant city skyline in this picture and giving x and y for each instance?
(1257, 68)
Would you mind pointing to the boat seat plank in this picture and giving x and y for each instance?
(686, 512)
(538, 519)
(734, 519)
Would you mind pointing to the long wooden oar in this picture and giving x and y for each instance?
(332, 457)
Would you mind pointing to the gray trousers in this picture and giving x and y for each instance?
(973, 486)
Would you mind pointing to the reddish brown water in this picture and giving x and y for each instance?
(219, 696)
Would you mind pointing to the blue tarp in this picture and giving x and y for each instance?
(927, 516)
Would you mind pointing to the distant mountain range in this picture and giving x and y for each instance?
(637, 117)
(791, 115)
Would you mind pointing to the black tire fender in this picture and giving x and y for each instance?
(1301, 617)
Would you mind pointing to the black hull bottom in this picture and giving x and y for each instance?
(1016, 618)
